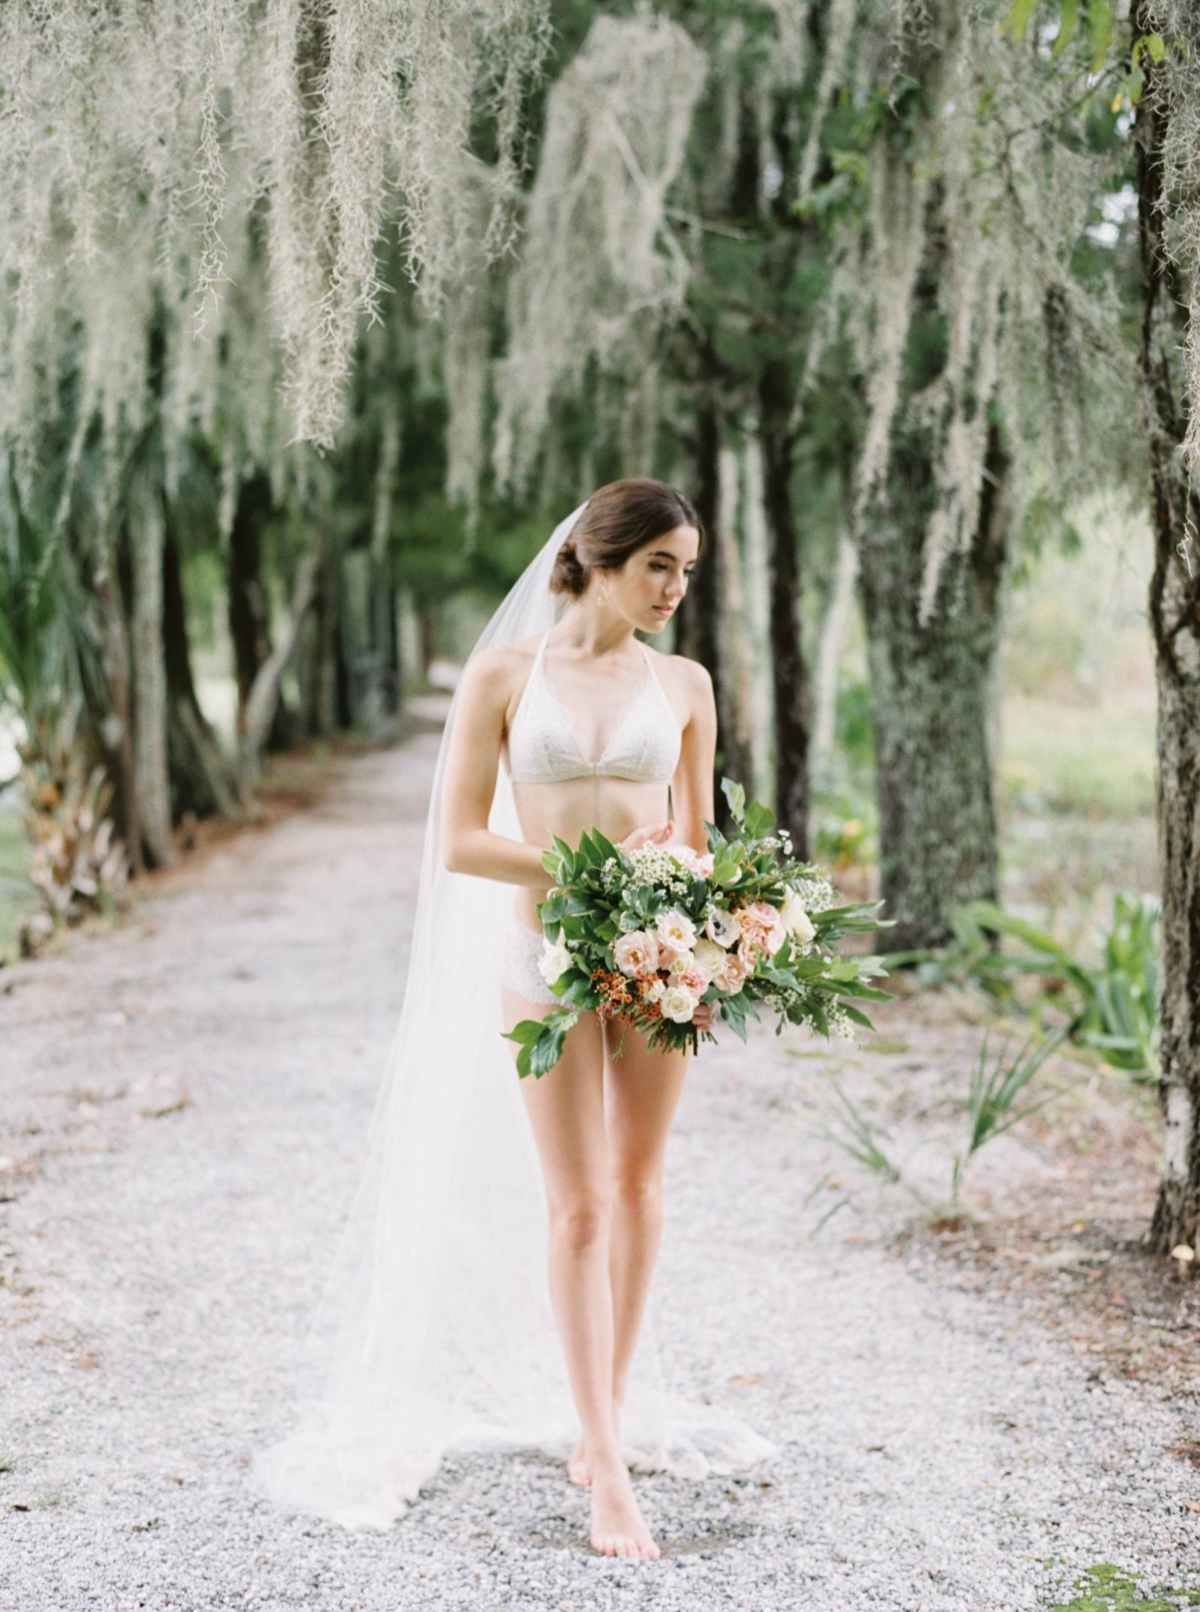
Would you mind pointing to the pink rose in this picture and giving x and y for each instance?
(730, 975)
(771, 925)
(636, 952)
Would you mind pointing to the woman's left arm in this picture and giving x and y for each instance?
(692, 785)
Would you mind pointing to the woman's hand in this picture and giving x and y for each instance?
(705, 1015)
(650, 834)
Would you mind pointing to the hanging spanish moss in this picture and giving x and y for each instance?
(156, 142)
(973, 212)
(600, 266)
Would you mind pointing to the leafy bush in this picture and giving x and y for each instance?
(1111, 1007)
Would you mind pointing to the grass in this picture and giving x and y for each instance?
(1107, 1588)
(1062, 757)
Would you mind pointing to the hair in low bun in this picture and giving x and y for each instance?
(568, 575)
(617, 520)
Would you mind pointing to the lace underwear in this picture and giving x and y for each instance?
(519, 970)
(543, 746)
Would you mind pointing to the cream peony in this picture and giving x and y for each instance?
(723, 927)
(636, 952)
(555, 959)
(796, 920)
(675, 930)
(708, 956)
(677, 1004)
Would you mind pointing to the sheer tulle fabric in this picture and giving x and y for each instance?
(434, 1331)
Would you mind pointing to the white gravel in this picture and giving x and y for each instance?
(159, 1266)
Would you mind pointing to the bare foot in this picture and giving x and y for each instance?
(618, 1527)
(579, 1465)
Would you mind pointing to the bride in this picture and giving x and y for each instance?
(437, 1329)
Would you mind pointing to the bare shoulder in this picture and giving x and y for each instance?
(688, 677)
(494, 673)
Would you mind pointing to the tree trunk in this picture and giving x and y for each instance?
(833, 634)
(699, 617)
(788, 670)
(112, 713)
(1175, 622)
(249, 612)
(330, 702)
(930, 688)
(201, 780)
(264, 696)
(734, 630)
(149, 672)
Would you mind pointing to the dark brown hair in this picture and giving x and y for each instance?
(620, 518)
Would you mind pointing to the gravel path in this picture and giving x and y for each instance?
(185, 1104)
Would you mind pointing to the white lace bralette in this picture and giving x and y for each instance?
(543, 747)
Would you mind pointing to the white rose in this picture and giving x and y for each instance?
(678, 1004)
(708, 957)
(655, 990)
(796, 920)
(678, 964)
(555, 959)
(676, 929)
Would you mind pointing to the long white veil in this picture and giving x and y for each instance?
(434, 1330)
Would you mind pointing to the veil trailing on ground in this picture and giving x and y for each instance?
(434, 1331)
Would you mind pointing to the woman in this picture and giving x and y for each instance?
(437, 1329)
(586, 689)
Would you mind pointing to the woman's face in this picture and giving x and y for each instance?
(647, 589)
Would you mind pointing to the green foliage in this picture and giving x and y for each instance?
(989, 1108)
(541, 1041)
(850, 1130)
(992, 1095)
(43, 621)
(1111, 1007)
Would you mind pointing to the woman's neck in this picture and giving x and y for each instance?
(596, 632)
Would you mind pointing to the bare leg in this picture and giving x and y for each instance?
(643, 1093)
(566, 1112)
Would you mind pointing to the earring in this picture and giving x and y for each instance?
(602, 597)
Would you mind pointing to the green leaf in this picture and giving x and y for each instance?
(1100, 27)
(1070, 22)
(857, 1015)
(735, 794)
(760, 820)
(553, 908)
(1018, 19)
(525, 1032)
(605, 846)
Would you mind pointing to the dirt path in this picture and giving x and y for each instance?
(185, 1103)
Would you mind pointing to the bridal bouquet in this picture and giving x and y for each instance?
(644, 936)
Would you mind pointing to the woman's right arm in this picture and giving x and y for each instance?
(468, 845)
